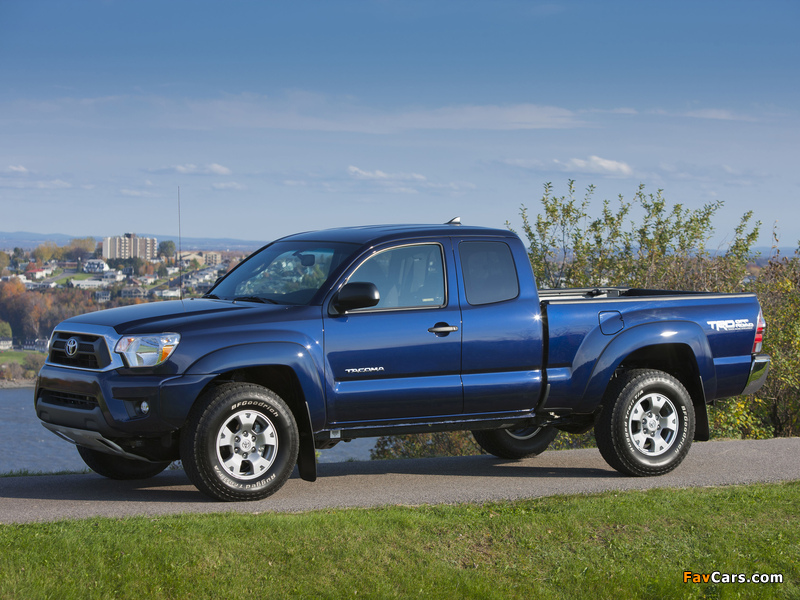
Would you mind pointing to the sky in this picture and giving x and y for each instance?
(270, 118)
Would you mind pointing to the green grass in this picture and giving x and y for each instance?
(9, 356)
(75, 277)
(612, 545)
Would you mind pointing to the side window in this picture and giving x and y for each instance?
(489, 272)
(406, 277)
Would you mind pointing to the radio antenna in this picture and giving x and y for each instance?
(180, 248)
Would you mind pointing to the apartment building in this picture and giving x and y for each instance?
(130, 245)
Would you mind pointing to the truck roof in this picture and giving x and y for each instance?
(380, 233)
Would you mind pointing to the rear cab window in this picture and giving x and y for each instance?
(490, 274)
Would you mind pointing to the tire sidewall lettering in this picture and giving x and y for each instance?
(237, 485)
(255, 404)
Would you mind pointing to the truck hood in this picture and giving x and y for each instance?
(175, 315)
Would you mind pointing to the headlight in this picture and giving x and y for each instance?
(147, 350)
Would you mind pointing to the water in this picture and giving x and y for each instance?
(26, 445)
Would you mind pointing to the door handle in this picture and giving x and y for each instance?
(442, 329)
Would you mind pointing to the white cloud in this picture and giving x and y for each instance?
(487, 117)
(136, 193)
(713, 114)
(381, 176)
(718, 114)
(216, 169)
(230, 185)
(297, 112)
(18, 169)
(53, 184)
(192, 169)
(595, 164)
(403, 183)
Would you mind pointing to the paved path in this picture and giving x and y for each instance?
(388, 482)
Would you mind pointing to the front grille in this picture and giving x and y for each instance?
(78, 401)
(90, 352)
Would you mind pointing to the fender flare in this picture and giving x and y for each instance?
(283, 354)
(649, 335)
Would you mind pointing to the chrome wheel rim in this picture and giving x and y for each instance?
(523, 434)
(247, 444)
(653, 424)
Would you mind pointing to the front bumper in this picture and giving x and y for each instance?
(107, 405)
(759, 368)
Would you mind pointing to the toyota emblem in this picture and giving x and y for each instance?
(72, 347)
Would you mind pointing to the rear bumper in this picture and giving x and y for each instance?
(759, 367)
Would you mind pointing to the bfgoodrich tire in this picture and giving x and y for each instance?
(515, 443)
(239, 443)
(646, 424)
(119, 467)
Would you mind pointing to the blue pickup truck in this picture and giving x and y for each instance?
(327, 336)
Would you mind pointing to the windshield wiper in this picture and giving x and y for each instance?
(255, 299)
(211, 296)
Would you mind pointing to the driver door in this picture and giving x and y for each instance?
(400, 359)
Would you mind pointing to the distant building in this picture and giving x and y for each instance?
(95, 265)
(89, 284)
(134, 292)
(37, 345)
(102, 296)
(202, 258)
(6, 344)
(130, 246)
(213, 258)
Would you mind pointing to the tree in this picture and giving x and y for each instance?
(5, 261)
(166, 249)
(424, 445)
(5, 330)
(666, 249)
(778, 403)
(47, 252)
(80, 248)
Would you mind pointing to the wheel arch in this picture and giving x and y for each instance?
(688, 360)
(285, 368)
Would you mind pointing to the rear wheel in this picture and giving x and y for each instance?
(119, 467)
(515, 443)
(647, 422)
(239, 443)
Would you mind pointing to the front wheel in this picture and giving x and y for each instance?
(646, 424)
(239, 443)
(515, 443)
(119, 467)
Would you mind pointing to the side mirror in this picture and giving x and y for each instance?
(356, 295)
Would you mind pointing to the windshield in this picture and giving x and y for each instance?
(284, 273)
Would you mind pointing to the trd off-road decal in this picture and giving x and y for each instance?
(732, 325)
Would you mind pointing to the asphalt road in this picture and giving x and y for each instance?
(392, 482)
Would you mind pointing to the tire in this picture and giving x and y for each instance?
(515, 443)
(646, 424)
(240, 442)
(119, 467)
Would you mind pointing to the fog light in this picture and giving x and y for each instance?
(144, 407)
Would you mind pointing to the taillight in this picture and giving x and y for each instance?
(760, 327)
